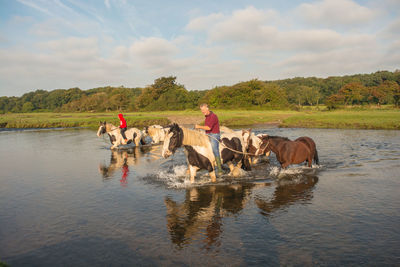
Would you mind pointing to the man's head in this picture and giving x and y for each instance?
(204, 109)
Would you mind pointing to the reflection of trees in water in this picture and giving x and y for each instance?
(122, 159)
(199, 216)
(287, 193)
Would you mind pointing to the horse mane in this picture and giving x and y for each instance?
(109, 127)
(194, 138)
(278, 137)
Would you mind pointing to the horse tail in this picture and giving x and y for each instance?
(316, 159)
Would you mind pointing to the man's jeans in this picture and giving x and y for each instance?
(214, 143)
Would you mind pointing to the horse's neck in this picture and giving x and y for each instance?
(194, 138)
(256, 141)
(110, 128)
(274, 142)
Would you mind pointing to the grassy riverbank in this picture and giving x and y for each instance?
(345, 118)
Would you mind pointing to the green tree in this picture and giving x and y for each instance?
(27, 107)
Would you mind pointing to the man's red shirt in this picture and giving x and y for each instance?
(212, 122)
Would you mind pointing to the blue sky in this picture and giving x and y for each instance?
(51, 44)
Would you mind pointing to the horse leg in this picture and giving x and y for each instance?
(285, 164)
(192, 172)
(213, 177)
(309, 161)
(239, 165)
(230, 165)
(116, 143)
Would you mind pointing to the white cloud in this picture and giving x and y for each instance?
(392, 30)
(216, 49)
(35, 6)
(107, 3)
(154, 53)
(336, 12)
(153, 46)
(335, 62)
(204, 23)
(252, 31)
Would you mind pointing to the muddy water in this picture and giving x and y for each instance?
(66, 199)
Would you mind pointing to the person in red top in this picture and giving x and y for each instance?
(122, 126)
(211, 126)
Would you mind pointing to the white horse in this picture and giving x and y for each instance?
(156, 132)
(116, 139)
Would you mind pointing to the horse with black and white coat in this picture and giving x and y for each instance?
(116, 139)
(198, 150)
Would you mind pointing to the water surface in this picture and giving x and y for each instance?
(66, 199)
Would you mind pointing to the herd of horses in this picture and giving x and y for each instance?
(239, 150)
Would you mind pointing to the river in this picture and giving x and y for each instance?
(66, 199)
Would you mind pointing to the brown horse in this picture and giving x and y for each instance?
(291, 152)
(311, 145)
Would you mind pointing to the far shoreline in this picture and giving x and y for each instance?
(369, 119)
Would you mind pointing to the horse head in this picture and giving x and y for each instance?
(146, 130)
(102, 129)
(265, 146)
(270, 142)
(246, 136)
(173, 140)
(252, 143)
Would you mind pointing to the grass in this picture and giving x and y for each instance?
(310, 118)
(346, 119)
(89, 120)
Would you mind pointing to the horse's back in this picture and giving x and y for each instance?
(307, 141)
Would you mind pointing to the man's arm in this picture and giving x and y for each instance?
(205, 127)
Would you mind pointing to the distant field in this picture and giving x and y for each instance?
(352, 119)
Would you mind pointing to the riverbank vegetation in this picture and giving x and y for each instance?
(383, 117)
(367, 101)
(379, 88)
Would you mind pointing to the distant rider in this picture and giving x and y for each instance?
(211, 126)
(122, 126)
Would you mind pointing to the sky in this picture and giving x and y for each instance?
(61, 44)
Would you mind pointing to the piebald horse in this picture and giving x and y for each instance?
(132, 134)
(255, 146)
(197, 146)
(198, 150)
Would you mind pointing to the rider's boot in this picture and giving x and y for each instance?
(219, 166)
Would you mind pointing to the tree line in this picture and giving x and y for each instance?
(382, 87)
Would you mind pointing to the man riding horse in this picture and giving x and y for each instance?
(211, 126)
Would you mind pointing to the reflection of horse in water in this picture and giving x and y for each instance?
(203, 210)
(199, 216)
(121, 160)
(287, 193)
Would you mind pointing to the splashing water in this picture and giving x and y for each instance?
(295, 172)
